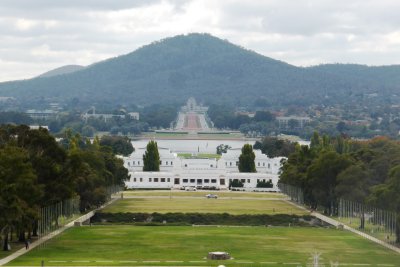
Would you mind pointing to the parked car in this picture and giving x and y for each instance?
(190, 188)
(211, 196)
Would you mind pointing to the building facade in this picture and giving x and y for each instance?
(205, 173)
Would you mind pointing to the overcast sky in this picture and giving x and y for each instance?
(40, 35)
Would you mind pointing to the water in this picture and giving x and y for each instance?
(193, 146)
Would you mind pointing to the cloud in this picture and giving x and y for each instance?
(39, 35)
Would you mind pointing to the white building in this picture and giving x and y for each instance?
(205, 173)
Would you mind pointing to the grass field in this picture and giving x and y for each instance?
(188, 246)
(182, 193)
(203, 205)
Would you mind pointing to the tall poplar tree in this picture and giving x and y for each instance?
(246, 159)
(151, 158)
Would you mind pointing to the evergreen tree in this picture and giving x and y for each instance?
(151, 158)
(246, 159)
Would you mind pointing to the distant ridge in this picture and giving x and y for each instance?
(61, 70)
(213, 71)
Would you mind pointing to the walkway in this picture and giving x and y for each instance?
(346, 227)
(81, 219)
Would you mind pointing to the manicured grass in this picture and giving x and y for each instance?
(188, 246)
(203, 205)
(182, 193)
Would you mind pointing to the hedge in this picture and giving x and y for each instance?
(204, 219)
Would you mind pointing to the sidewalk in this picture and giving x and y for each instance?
(346, 227)
(33, 245)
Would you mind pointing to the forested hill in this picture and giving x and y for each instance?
(61, 70)
(210, 69)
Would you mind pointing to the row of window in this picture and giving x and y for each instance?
(155, 180)
(138, 163)
(248, 180)
(206, 181)
(199, 181)
(258, 164)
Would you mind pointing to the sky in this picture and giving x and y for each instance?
(40, 35)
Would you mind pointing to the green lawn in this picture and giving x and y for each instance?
(203, 205)
(187, 246)
(182, 193)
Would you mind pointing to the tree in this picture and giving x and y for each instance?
(264, 116)
(246, 159)
(151, 158)
(322, 175)
(119, 144)
(19, 191)
(267, 184)
(352, 184)
(222, 149)
(275, 147)
(387, 196)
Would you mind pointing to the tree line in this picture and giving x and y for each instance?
(331, 168)
(37, 171)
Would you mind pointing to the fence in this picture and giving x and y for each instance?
(295, 193)
(375, 222)
(58, 215)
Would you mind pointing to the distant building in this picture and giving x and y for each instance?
(91, 113)
(41, 114)
(284, 121)
(246, 113)
(37, 127)
(192, 106)
(134, 115)
(176, 172)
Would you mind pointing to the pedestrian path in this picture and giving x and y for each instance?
(45, 238)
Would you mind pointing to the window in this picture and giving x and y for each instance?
(206, 181)
(168, 180)
(134, 179)
(263, 164)
(211, 166)
(129, 164)
(141, 179)
(149, 179)
(230, 163)
(160, 162)
(138, 163)
(269, 166)
(248, 181)
(213, 181)
(243, 180)
(133, 163)
(258, 164)
(192, 180)
(185, 165)
(185, 181)
(237, 163)
(172, 163)
(222, 181)
(156, 180)
(176, 180)
(162, 180)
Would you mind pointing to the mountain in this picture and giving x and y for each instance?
(210, 69)
(61, 70)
